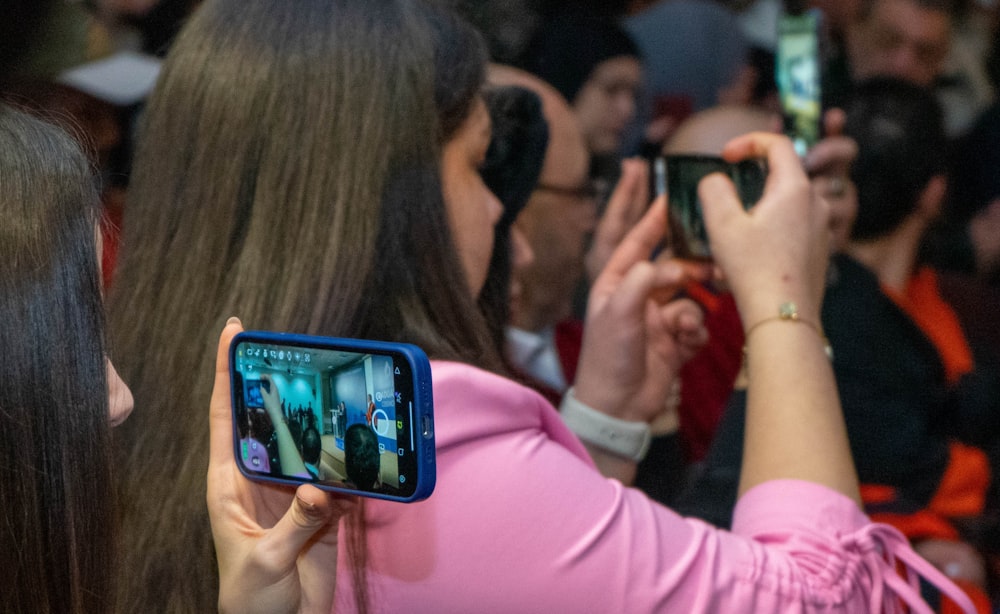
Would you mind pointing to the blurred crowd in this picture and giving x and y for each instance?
(909, 165)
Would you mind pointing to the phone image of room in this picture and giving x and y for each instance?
(321, 401)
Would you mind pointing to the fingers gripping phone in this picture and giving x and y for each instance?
(679, 175)
(346, 415)
(798, 73)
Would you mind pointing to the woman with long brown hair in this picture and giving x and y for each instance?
(270, 121)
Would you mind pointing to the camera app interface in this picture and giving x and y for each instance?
(326, 415)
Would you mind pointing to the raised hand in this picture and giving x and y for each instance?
(637, 334)
(778, 251)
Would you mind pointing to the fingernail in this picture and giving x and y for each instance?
(233, 320)
(308, 508)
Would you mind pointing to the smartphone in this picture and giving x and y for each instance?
(687, 237)
(347, 415)
(798, 73)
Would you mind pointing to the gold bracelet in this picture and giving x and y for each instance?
(789, 312)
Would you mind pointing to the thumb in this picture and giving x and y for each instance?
(311, 511)
(719, 203)
(220, 407)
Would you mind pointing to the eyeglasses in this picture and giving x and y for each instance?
(588, 191)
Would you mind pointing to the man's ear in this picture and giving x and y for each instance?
(984, 232)
(931, 199)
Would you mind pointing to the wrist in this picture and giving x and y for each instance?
(625, 438)
(787, 312)
(765, 308)
(592, 397)
(668, 420)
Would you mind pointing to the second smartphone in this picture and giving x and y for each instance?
(679, 175)
(798, 75)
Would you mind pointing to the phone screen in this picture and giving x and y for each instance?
(686, 232)
(358, 413)
(798, 73)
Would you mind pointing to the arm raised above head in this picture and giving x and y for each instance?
(774, 258)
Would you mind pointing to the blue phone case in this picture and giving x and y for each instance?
(360, 365)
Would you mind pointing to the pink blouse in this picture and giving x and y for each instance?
(521, 521)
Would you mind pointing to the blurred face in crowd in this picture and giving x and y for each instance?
(900, 38)
(556, 222)
(842, 197)
(606, 103)
(473, 210)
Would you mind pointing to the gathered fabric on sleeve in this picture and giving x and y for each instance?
(877, 557)
(521, 521)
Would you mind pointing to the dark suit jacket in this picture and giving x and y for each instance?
(899, 410)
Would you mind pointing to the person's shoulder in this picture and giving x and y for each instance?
(849, 284)
(846, 270)
(470, 394)
(459, 376)
(473, 406)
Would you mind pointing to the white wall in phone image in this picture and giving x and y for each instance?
(351, 384)
(298, 391)
(348, 386)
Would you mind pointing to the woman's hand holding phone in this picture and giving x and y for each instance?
(277, 550)
(778, 251)
(775, 258)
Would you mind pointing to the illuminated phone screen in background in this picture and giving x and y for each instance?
(798, 73)
(349, 413)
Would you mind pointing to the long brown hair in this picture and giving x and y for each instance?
(57, 544)
(287, 172)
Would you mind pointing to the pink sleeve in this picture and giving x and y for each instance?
(822, 534)
(522, 523)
